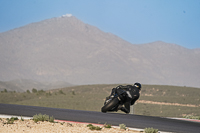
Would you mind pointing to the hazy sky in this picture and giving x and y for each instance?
(136, 21)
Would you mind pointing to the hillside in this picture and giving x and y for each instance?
(155, 100)
(66, 49)
(23, 85)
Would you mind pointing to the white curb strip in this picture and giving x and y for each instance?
(19, 117)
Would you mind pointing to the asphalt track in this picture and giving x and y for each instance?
(134, 121)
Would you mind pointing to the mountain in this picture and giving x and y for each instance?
(66, 49)
(22, 85)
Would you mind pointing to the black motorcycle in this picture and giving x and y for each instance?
(112, 103)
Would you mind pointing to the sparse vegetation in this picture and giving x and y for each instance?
(122, 126)
(150, 130)
(191, 117)
(61, 92)
(48, 94)
(34, 90)
(69, 124)
(91, 127)
(4, 91)
(62, 123)
(107, 126)
(51, 119)
(41, 117)
(11, 120)
(73, 93)
(40, 92)
(22, 119)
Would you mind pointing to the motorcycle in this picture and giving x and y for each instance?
(114, 101)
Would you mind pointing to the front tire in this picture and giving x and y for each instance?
(110, 105)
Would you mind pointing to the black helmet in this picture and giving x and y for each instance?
(138, 85)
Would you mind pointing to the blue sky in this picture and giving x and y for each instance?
(136, 21)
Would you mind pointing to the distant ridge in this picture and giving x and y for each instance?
(22, 85)
(66, 49)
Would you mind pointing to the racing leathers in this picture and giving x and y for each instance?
(132, 94)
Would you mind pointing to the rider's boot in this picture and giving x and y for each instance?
(124, 110)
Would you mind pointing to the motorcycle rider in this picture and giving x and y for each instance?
(132, 94)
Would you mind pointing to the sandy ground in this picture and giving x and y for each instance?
(29, 126)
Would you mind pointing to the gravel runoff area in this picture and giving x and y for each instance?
(26, 125)
(60, 126)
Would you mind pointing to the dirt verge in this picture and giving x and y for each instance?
(29, 126)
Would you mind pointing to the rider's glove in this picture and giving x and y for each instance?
(118, 87)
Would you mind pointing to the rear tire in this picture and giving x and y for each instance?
(110, 105)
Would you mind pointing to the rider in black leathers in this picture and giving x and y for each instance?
(132, 94)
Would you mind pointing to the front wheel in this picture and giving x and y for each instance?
(110, 105)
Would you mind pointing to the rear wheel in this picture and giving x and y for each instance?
(110, 105)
